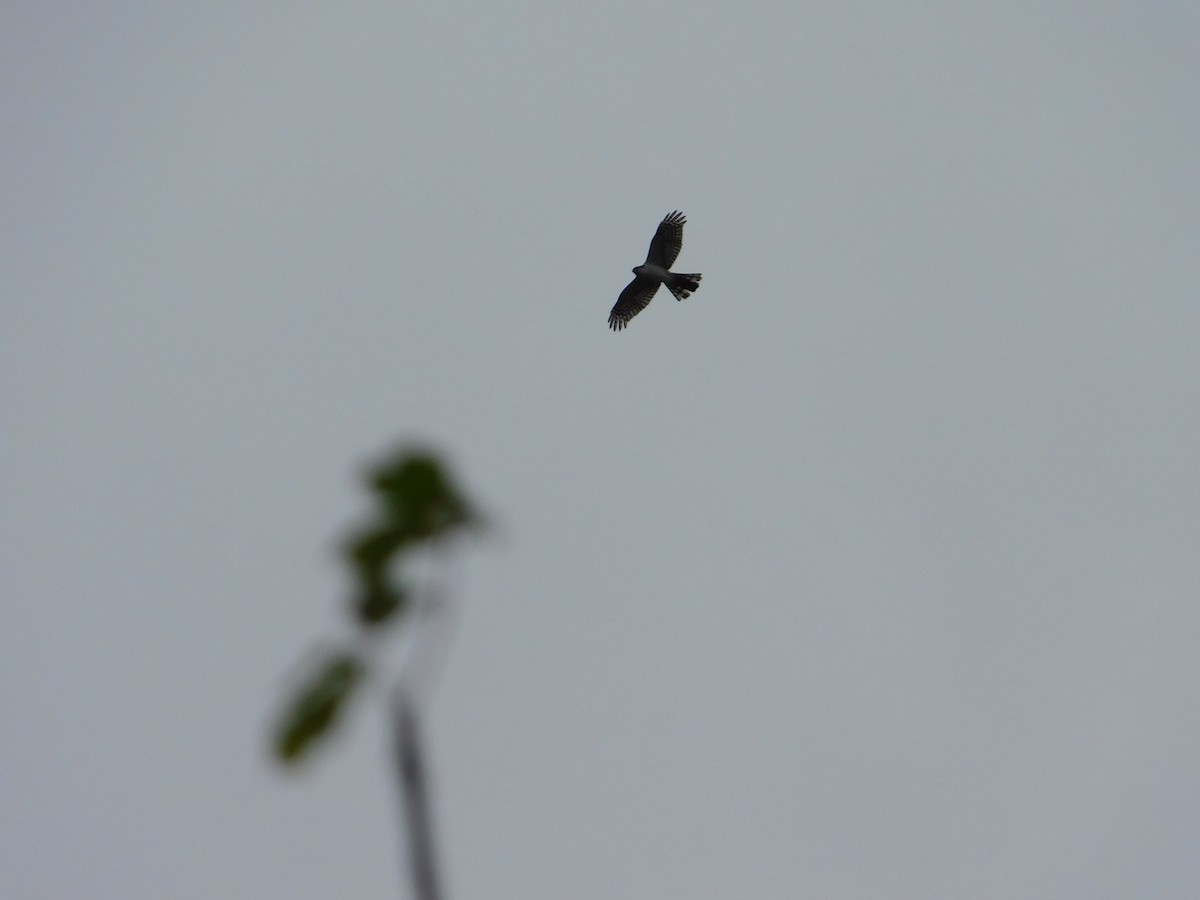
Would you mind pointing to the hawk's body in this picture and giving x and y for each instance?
(664, 248)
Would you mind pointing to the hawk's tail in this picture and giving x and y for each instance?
(682, 286)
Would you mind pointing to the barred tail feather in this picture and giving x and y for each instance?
(682, 286)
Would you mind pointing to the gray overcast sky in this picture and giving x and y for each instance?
(871, 570)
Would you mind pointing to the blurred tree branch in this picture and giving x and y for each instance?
(416, 506)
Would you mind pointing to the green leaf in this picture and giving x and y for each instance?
(419, 499)
(316, 707)
(377, 601)
(370, 550)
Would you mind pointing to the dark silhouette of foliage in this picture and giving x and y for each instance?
(316, 706)
(415, 505)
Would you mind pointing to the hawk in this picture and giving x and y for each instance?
(656, 270)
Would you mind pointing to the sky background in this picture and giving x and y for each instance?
(870, 571)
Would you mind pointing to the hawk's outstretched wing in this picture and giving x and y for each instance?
(633, 299)
(667, 241)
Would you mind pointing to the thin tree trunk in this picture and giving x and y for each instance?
(410, 771)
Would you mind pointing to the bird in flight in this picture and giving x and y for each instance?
(655, 271)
